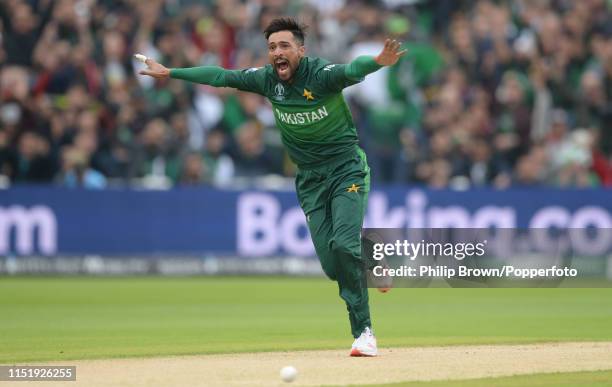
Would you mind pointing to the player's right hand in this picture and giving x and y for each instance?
(155, 69)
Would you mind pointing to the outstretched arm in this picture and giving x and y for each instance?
(246, 80)
(364, 65)
(210, 75)
(337, 77)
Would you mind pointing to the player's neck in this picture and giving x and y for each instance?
(297, 71)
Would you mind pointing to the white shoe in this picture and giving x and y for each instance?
(365, 344)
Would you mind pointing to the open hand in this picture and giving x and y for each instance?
(155, 69)
(390, 54)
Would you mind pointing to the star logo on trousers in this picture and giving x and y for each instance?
(353, 188)
(308, 95)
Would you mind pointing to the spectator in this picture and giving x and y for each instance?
(34, 162)
(484, 168)
(76, 171)
(156, 158)
(491, 93)
(219, 164)
(22, 28)
(252, 155)
(194, 170)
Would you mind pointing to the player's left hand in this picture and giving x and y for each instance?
(390, 54)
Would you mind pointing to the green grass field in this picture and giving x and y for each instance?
(85, 318)
(44, 319)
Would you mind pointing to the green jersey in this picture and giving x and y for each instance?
(315, 122)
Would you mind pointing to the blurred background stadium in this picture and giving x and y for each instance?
(492, 93)
(497, 103)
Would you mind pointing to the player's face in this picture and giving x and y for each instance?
(284, 54)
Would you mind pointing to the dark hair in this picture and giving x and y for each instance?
(287, 24)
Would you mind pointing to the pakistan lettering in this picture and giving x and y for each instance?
(302, 117)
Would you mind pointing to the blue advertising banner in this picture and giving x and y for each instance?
(57, 221)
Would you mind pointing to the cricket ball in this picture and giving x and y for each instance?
(288, 374)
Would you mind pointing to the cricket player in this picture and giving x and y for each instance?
(317, 129)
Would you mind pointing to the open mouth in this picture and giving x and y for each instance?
(282, 66)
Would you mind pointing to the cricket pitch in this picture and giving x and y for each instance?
(335, 367)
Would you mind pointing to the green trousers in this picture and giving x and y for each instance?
(334, 198)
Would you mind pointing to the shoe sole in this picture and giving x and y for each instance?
(357, 353)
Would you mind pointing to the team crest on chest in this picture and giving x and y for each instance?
(279, 92)
(308, 95)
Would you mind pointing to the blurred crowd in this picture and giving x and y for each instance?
(491, 93)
